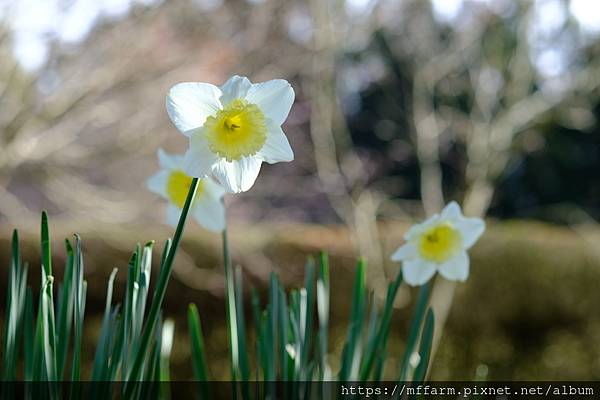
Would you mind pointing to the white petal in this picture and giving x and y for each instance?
(199, 160)
(451, 211)
(236, 87)
(275, 98)
(456, 268)
(212, 189)
(417, 229)
(405, 252)
(210, 213)
(169, 161)
(190, 103)
(417, 271)
(157, 183)
(276, 148)
(173, 214)
(470, 229)
(237, 176)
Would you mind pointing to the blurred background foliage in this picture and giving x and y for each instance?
(401, 106)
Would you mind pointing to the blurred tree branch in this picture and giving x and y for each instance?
(339, 168)
(487, 125)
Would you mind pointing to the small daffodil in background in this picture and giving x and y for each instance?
(439, 244)
(172, 183)
(233, 128)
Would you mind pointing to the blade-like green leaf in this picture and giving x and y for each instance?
(378, 347)
(415, 328)
(231, 313)
(28, 336)
(308, 316)
(323, 312)
(283, 335)
(128, 312)
(46, 252)
(159, 294)
(15, 309)
(65, 311)
(241, 336)
(166, 345)
(79, 295)
(48, 329)
(352, 349)
(256, 315)
(425, 348)
(142, 295)
(273, 320)
(198, 357)
(101, 359)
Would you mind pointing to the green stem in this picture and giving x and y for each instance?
(232, 327)
(413, 335)
(159, 294)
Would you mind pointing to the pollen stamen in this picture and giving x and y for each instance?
(440, 242)
(239, 130)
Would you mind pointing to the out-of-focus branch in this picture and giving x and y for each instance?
(428, 131)
(352, 201)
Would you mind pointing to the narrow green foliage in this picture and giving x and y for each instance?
(130, 295)
(323, 312)
(269, 340)
(166, 345)
(46, 253)
(415, 328)
(142, 295)
(307, 312)
(44, 339)
(163, 374)
(230, 309)
(79, 296)
(101, 366)
(244, 368)
(378, 346)
(15, 310)
(65, 311)
(256, 314)
(425, 348)
(372, 330)
(47, 321)
(352, 349)
(48, 329)
(135, 346)
(284, 356)
(271, 348)
(293, 347)
(28, 337)
(284, 329)
(198, 357)
(159, 294)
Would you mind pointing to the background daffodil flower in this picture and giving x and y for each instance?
(232, 128)
(172, 183)
(439, 244)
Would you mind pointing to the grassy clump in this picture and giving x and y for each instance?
(292, 357)
(46, 346)
(43, 343)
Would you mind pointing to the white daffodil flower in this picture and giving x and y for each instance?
(172, 183)
(232, 128)
(439, 244)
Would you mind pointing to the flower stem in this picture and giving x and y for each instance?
(230, 304)
(406, 370)
(159, 294)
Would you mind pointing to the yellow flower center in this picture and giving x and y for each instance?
(178, 186)
(439, 243)
(237, 131)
